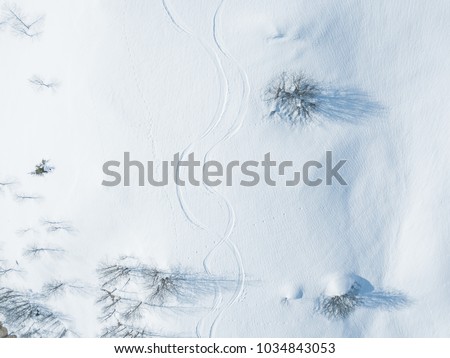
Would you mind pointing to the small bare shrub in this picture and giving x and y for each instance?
(338, 307)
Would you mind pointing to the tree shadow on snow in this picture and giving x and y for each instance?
(350, 105)
(360, 294)
(384, 300)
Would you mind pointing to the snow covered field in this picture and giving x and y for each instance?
(154, 78)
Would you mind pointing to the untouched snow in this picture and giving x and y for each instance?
(154, 78)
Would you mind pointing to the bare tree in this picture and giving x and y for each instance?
(22, 24)
(34, 251)
(338, 307)
(25, 230)
(27, 316)
(27, 197)
(58, 288)
(342, 306)
(120, 271)
(7, 270)
(293, 98)
(131, 291)
(121, 305)
(59, 225)
(122, 330)
(6, 184)
(175, 286)
(40, 83)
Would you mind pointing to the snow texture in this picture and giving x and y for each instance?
(154, 78)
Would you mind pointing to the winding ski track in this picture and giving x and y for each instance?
(220, 56)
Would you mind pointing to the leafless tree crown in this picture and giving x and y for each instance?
(131, 291)
(39, 83)
(27, 315)
(293, 98)
(20, 23)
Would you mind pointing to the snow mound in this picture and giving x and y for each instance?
(343, 283)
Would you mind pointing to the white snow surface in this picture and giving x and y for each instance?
(158, 77)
